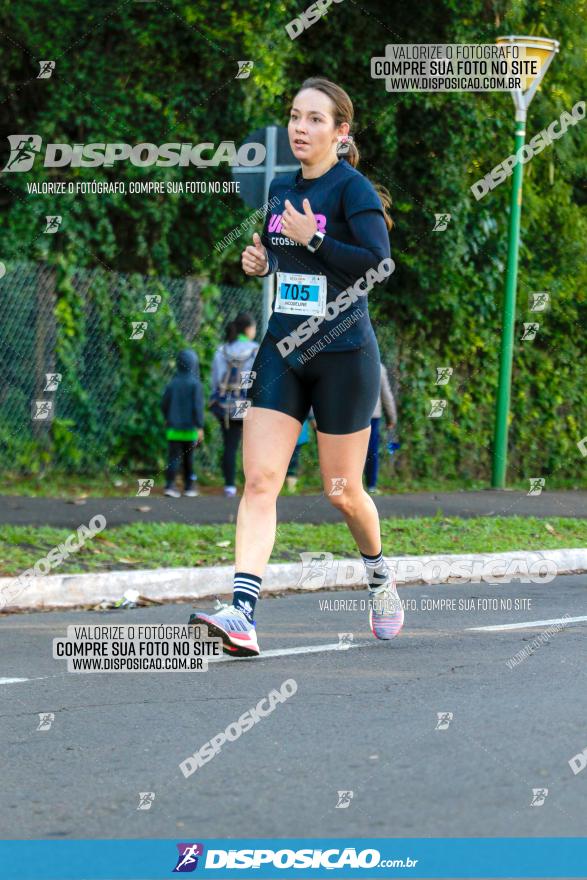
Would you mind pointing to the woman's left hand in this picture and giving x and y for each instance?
(299, 227)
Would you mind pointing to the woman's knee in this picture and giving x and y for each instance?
(344, 497)
(262, 482)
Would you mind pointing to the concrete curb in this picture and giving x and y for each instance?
(173, 584)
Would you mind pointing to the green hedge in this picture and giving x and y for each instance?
(147, 72)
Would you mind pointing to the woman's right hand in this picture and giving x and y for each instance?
(254, 258)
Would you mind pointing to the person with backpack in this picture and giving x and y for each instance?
(230, 377)
(183, 408)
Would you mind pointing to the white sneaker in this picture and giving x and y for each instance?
(191, 493)
(230, 491)
(239, 638)
(386, 613)
(172, 493)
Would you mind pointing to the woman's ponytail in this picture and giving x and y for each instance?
(385, 197)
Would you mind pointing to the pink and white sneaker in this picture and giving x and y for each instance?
(386, 614)
(238, 634)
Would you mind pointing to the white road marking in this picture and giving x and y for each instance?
(335, 646)
(528, 624)
(284, 652)
(275, 652)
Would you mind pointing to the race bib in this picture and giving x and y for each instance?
(300, 294)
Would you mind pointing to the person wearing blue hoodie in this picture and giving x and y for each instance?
(183, 408)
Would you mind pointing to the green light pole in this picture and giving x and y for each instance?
(542, 50)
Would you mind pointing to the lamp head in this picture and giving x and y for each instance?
(526, 48)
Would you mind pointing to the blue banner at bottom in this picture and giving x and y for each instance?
(557, 857)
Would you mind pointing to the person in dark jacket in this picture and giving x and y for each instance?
(183, 408)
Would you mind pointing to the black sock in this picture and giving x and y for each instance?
(246, 591)
(376, 568)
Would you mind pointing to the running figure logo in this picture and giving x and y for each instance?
(42, 409)
(338, 484)
(46, 719)
(188, 857)
(246, 607)
(53, 224)
(530, 331)
(437, 408)
(146, 799)
(539, 301)
(444, 719)
(344, 145)
(539, 795)
(241, 407)
(47, 68)
(138, 329)
(52, 381)
(441, 222)
(345, 640)
(145, 487)
(244, 69)
(344, 799)
(315, 568)
(536, 485)
(443, 374)
(23, 149)
(152, 301)
(247, 377)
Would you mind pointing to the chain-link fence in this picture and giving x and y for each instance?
(85, 355)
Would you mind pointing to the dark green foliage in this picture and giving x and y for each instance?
(159, 72)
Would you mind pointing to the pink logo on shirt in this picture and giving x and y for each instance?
(275, 223)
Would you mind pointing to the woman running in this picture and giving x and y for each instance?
(327, 240)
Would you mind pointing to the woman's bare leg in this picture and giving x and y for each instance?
(342, 459)
(269, 439)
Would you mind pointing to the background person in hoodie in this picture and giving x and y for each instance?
(183, 408)
(230, 361)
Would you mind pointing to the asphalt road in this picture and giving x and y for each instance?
(363, 720)
(61, 513)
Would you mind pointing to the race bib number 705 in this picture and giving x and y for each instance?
(301, 294)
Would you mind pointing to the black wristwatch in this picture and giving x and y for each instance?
(315, 242)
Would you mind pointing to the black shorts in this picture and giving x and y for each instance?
(342, 387)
